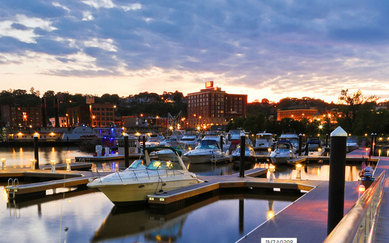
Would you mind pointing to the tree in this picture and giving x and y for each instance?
(352, 105)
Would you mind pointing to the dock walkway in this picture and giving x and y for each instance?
(382, 224)
(53, 180)
(306, 218)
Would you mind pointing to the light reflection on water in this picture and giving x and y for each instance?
(90, 216)
(21, 157)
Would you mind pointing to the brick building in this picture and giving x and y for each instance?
(94, 115)
(21, 117)
(297, 114)
(212, 106)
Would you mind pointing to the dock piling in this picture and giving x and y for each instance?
(144, 143)
(126, 152)
(241, 216)
(300, 143)
(3, 161)
(221, 143)
(337, 178)
(36, 154)
(242, 153)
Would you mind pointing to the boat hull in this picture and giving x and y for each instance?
(121, 194)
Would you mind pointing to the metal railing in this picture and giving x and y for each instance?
(358, 224)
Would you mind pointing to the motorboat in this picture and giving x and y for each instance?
(190, 139)
(313, 148)
(80, 133)
(293, 139)
(207, 151)
(282, 153)
(351, 144)
(249, 153)
(168, 154)
(153, 140)
(145, 177)
(263, 141)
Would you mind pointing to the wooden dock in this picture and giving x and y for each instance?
(106, 158)
(215, 183)
(306, 218)
(53, 180)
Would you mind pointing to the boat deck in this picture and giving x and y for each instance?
(106, 158)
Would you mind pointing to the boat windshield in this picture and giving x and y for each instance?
(137, 164)
(208, 144)
(283, 146)
(163, 165)
(313, 146)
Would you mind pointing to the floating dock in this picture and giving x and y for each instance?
(54, 180)
(215, 183)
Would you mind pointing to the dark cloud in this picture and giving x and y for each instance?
(256, 41)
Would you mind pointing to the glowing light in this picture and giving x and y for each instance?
(5, 194)
(36, 135)
(270, 214)
(298, 166)
(170, 127)
(319, 149)
(157, 163)
(93, 117)
(52, 134)
(320, 126)
(361, 188)
(20, 134)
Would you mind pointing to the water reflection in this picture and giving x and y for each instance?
(21, 157)
(218, 218)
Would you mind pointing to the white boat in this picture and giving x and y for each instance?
(263, 141)
(190, 139)
(81, 133)
(351, 144)
(313, 148)
(249, 152)
(144, 178)
(168, 154)
(293, 138)
(207, 151)
(153, 140)
(282, 153)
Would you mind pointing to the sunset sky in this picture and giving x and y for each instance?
(267, 49)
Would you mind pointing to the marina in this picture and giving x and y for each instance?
(178, 204)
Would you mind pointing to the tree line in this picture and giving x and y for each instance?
(361, 114)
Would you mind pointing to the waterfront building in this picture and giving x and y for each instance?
(21, 116)
(297, 114)
(213, 106)
(61, 119)
(94, 115)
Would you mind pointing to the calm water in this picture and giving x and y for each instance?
(89, 216)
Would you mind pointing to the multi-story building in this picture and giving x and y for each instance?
(212, 106)
(21, 116)
(297, 114)
(94, 115)
(63, 121)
